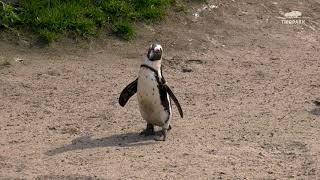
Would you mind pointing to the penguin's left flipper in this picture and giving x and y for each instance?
(175, 100)
(127, 92)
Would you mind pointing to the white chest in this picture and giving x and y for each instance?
(149, 100)
(148, 92)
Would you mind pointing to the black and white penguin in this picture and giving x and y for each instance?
(154, 95)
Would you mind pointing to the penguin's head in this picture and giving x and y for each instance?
(155, 52)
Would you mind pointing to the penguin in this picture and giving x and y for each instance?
(154, 95)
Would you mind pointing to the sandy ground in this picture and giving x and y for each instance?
(246, 83)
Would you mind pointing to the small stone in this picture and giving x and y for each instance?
(19, 60)
(317, 102)
(293, 14)
(186, 70)
(274, 58)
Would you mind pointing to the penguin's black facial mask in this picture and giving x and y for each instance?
(155, 52)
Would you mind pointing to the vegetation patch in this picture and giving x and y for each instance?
(51, 19)
(8, 16)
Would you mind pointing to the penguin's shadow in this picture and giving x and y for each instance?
(86, 142)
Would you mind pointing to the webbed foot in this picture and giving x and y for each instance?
(149, 131)
(162, 136)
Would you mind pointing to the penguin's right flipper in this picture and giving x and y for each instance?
(175, 100)
(127, 92)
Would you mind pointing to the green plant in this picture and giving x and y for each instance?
(8, 17)
(179, 6)
(124, 29)
(47, 35)
(50, 19)
(151, 9)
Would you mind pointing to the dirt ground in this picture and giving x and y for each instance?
(245, 80)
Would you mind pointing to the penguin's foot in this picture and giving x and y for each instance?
(163, 135)
(149, 131)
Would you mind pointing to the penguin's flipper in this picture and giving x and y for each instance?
(127, 92)
(175, 100)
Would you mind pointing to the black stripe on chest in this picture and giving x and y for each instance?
(162, 90)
